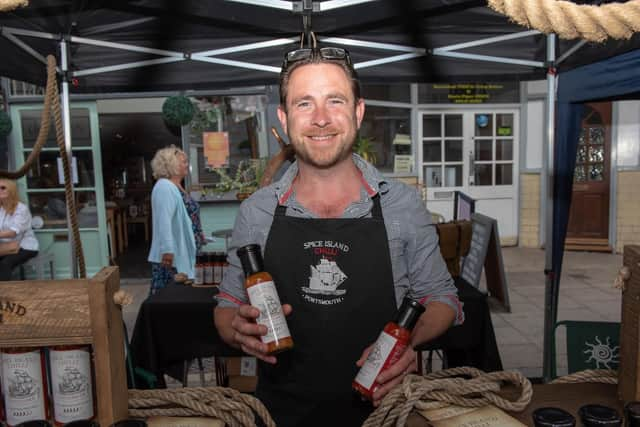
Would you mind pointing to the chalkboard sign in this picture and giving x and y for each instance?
(485, 252)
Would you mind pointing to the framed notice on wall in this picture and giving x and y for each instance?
(216, 149)
(402, 163)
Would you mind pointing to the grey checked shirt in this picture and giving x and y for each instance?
(418, 268)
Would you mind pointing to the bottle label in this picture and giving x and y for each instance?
(22, 387)
(217, 273)
(377, 360)
(208, 274)
(71, 385)
(265, 298)
(199, 279)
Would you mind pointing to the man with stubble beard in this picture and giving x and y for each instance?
(332, 217)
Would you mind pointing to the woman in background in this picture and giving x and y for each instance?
(177, 233)
(15, 230)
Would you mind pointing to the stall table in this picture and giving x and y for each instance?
(176, 325)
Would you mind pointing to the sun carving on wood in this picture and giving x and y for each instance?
(603, 354)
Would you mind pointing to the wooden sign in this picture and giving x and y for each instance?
(485, 253)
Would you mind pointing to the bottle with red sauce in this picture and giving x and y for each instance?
(388, 348)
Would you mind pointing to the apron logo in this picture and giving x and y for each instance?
(326, 276)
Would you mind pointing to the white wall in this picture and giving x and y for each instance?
(628, 135)
(536, 127)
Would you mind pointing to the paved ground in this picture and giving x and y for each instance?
(586, 293)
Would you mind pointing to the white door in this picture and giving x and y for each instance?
(476, 152)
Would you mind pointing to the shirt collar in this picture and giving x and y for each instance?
(373, 181)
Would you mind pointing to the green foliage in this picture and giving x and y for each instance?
(246, 179)
(365, 149)
(178, 110)
(5, 124)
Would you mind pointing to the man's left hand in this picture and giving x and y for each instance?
(393, 375)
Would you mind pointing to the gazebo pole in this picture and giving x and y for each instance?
(550, 292)
(66, 123)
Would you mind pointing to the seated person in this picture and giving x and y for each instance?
(15, 230)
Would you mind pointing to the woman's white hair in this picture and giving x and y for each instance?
(165, 162)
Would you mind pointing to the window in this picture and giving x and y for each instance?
(388, 132)
(44, 180)
(493, 149)
(442, 148)
(225, 131)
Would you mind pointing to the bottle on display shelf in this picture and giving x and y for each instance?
(199, 279)
(552, 417)
(388, 348)
(24, 385)
(72, 382)
(599, 416)
(263, 295)
(217, 268)
(208, 268)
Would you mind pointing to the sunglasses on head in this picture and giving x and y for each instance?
(327, 53)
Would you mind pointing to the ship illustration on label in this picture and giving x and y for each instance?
(73, 381)
(22, 385)
(325, 279)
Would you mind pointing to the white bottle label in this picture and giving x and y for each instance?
(199, 279)
(22, 387)
(375, 361)
(208, 274)
(71, 385)
(265, 298)
(217, 274)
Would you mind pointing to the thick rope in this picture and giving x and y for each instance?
(234, 408)
(606, 376)
(9, 5)
(445, 387)
(51, 102)
(572, 21)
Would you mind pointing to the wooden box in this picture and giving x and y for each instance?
(43, 313)
(629, 370)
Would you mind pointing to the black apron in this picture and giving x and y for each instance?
(336, 274)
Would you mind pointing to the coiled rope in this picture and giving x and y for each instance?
(9, 5)
(606, 376)
(571, 21)
(445, 387)
(234, 408)
(51, 101)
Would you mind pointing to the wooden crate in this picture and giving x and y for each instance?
(629, 370)
(43, 313)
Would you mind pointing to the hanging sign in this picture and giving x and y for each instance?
(216, 149)
(470, 93)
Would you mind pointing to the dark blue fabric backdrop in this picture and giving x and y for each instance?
(615, 77)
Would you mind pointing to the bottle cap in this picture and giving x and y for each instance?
(598, 415)
(251, 259)
(553, 417)
(409, 312)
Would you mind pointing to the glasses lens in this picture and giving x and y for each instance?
(298, 55)
(333, 53)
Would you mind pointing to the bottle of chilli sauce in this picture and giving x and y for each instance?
(72, 382)
(388, 348)
(263, 294)
(24, 385)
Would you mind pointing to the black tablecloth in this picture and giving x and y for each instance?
(174, 325)
(474, 342)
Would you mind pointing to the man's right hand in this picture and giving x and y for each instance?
(244, 332)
